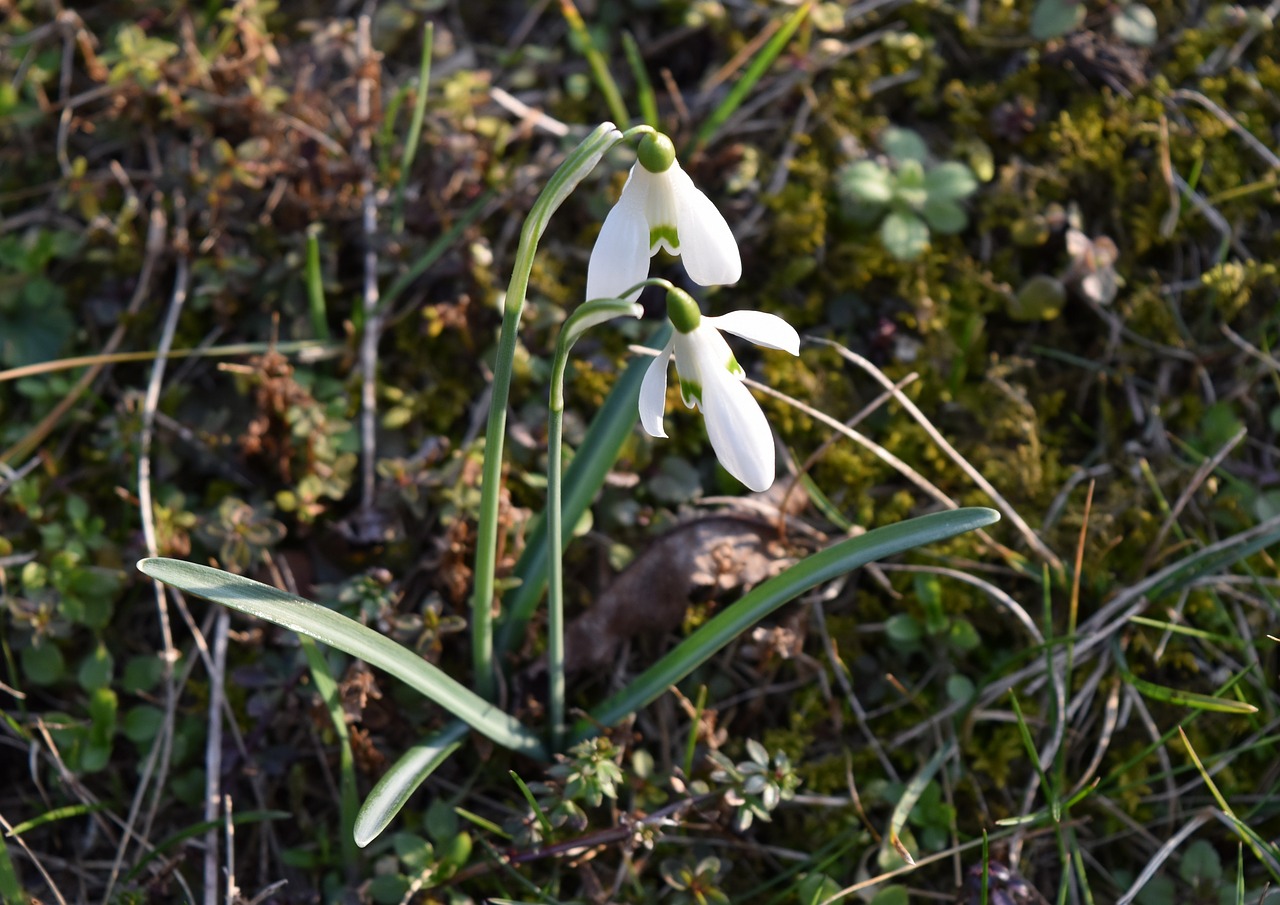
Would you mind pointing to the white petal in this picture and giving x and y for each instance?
(763, 329)
(736, 425)
(707, 247)
(653, 394)
(620, 257)
(662, 210)
(689, 352)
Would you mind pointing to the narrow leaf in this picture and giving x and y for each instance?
(810, 572)
(911, 795)
(1188, 698)
(336, 630)
(761, 62)
(402, 780)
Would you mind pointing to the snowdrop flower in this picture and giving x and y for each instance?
(711, 380)
(661, 208)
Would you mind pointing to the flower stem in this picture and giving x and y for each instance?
(586, 316)
(577, 165)
(555, 575)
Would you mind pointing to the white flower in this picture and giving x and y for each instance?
(711, 380)
(660, 207)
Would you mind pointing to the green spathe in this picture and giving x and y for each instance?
(656, 153)
(683, 311)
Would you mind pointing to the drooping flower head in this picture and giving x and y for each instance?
(711, 380)
(661, 208)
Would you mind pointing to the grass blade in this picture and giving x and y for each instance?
(10, 888)
(348, 797)
(1188, 698)
(315, 285)
(415, 126)
(402, 780)
(1268, 853)
(336, 630)
(910, 796)
(761, 62)
(645, 95)
(244, 818)
(435, 250)
(761, 601)
(599, 67)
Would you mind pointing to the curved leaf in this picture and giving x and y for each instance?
(336, 630)
(403, 779)
(810, 572)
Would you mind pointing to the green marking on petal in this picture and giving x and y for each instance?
(734, 368)
(666, 234)
(691, 392)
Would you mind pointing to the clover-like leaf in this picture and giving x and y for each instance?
(904, 235)
(1135, 24)
(866, 181)
(1055, 18)
(950, 181)
(944, 216)
(1040, 299)
(903, 144)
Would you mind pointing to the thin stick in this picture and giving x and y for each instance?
(1206, 468)
(880, 453)
(213, 755)
(233, 892)
(306, 350)
(1032, 539)
(369, 225)
(158, 759)
(8, 831)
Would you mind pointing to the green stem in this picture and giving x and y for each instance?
(577, 165)
(415, 126)
(587, 315)
(555, 576)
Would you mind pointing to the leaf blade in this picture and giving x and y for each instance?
(307, 618)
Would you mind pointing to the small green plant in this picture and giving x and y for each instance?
(1133, 23)
(710, 378)
(908, 195)
(694, 883)
(755, 787)
(35, 324)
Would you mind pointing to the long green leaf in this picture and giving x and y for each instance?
(10, 886)
(415, 126)
(403, 779)
(810, 572)
(911, 796)
(327, 687)
(336, 630)
(1212, 560)
(759, 63)
(1188, 698)
(596, 61)
(644, 88)
(582, 481)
